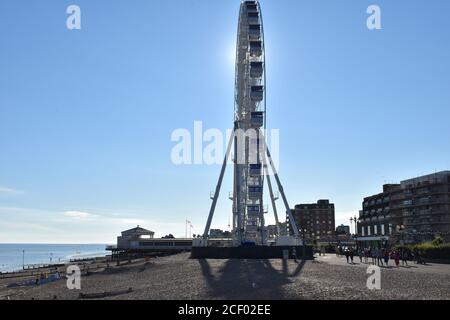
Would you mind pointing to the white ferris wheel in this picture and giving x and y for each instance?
(251, 158)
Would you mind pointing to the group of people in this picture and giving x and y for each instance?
(379, 256)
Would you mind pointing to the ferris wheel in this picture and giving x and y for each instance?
(250, 111)
(251, 157)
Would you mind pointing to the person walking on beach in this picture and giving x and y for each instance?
(419, 259)
(380, 257)
(397, 258)
(351, 253)
(386, 257)
(404, 257)
(346, 253)
(374, 255)
(417, 256)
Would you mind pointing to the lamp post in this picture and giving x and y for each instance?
(351, 225)
(23, 259)
(355, 220)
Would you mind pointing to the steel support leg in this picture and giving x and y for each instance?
(280, 188)
(219, 184)
(272, 198)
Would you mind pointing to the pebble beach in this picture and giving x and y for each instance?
(181, 278)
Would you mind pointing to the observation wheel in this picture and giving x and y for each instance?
(249, 116)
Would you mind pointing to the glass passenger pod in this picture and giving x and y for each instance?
(257, 93)
(254, 32)
(253, 151)
(256, 69)
(254, 193)
(256, 48)
(251, 6)
(255, 170)
(253, 209)
(257, 119)
(253, 18)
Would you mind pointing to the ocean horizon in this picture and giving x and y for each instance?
(13, 256)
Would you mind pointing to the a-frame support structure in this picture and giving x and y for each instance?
(267, 165)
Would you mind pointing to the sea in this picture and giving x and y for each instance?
(14, 256)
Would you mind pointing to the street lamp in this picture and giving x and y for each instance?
(354, 219)
(23, 259)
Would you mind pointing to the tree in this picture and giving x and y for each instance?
(437, 241)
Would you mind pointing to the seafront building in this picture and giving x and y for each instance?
(415, 210)
(140, 241)
(315, 221)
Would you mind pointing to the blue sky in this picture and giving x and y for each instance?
(86, 115)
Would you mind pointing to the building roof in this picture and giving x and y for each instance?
(320, 204)
(137, 231)
(398, 187)
(428, 177)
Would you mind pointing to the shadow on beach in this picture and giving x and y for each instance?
(249, 279)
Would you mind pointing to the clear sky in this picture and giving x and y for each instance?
(86, 115)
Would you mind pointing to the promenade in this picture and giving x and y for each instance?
(433, 268)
